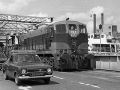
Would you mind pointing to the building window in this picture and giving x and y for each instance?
(102, 36)
(91, 36)
(109, 27)
(109, 33)
(88, 36)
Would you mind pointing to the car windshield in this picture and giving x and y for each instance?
(28, 58)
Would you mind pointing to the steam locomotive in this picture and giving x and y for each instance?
(63, 44)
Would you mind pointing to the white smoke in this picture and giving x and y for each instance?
(97, 10)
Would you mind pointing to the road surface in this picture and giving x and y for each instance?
(78, 80)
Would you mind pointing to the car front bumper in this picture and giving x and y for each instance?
(35, 77)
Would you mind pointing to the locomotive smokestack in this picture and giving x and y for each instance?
(102, 20)
(94, 23)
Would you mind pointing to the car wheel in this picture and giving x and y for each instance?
(5, 75)
(47, 80)
(17, 80)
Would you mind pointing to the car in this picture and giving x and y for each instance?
(26, 65)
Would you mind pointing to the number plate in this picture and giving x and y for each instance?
(37, 74)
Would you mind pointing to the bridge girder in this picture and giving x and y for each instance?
(20, 24)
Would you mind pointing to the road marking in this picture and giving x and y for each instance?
(81, 83)
(87, 84)
(95, 86)
(58, 77)
(24, 87)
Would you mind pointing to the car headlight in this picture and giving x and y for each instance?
(49, 70)
(24, 71)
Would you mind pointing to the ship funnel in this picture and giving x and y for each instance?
(102, 20)
(94, 23)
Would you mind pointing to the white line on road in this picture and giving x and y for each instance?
(95, 86)
(58, 77)
(86, 84)
(24, 87)
(81, 83)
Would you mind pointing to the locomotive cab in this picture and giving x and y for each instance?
(71, 37)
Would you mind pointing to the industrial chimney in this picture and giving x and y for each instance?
(102, 20)
(94, 23)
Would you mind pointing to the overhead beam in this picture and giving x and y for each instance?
(24, 19)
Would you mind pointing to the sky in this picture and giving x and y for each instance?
(80, 10)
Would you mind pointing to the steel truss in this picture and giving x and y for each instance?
(21, 24)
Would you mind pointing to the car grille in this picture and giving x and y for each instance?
(38, 74)
(37, 70)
